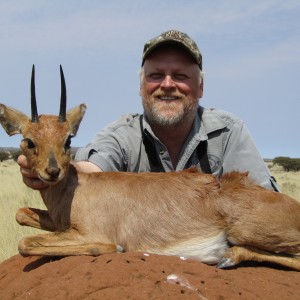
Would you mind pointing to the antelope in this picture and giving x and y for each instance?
(217, 221)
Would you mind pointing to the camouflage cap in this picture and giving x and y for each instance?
(173, 37)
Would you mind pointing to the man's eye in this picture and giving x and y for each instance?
(179, 77)
(156, 76)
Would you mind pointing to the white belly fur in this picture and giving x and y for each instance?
(209, 250)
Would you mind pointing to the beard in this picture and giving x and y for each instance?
(169, 112)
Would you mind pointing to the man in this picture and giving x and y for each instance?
(174, 133)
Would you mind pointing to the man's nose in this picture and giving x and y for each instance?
(168, 82)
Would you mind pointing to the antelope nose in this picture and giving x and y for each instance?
(53, 172)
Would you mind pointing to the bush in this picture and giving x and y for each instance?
(15, 154)
(4, 155)
(288, 164)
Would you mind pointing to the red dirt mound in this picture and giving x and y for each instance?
(140, 276)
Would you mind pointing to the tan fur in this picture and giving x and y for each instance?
(177, 213)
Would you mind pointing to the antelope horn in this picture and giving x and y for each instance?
(63, 98)
(34, 113)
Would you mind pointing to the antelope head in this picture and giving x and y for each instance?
(47, 138)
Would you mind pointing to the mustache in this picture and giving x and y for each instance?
(161, 93)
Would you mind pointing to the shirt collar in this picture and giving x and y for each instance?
(206, 122)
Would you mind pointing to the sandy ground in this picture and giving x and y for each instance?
(141, 276)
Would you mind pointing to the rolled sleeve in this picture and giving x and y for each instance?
(107, 151)
(114, 146)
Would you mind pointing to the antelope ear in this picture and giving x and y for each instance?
(12, 121)
(74, 117)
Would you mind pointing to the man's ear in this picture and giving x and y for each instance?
(74, 117)
(201, 89)
(12, 121)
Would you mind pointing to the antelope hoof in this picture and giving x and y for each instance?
(226, 262)
(120, 249)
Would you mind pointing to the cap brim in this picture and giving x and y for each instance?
(167, 42)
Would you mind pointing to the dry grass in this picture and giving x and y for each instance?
(289, 182)
(14, 195)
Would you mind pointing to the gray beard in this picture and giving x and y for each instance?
(155, 118)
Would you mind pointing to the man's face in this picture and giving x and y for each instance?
(171, 86)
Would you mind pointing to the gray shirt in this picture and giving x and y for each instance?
(120, 147)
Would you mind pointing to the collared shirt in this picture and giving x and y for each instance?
(119, 147)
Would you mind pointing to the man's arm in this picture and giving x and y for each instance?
(31, 179)
(242, 154)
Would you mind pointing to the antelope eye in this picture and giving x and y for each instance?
(68, 142)
(30, 144)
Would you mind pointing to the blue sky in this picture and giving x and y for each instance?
(251, 59)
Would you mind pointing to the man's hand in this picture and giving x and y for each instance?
(30, 178)
(86, 167)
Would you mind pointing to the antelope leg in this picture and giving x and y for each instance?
(62, 244)
(34, 217)
(236, 254)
